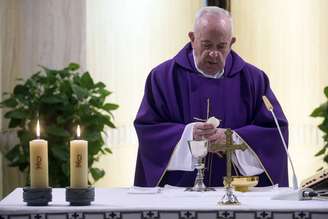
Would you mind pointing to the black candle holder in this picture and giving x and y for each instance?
(37, 196)
(80, 196)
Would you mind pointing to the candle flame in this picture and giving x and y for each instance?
(78, 131)
(38, 129)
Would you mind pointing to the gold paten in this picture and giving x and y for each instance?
(243, 183)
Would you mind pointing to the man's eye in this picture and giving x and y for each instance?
(207, 46)
(221, 47)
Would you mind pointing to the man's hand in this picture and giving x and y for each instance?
(203, 130)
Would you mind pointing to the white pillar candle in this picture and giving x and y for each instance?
(39, 161)
(78, 162)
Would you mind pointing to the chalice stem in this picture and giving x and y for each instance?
(199, 182)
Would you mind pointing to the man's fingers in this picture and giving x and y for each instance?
(207, 133)
(203, 130)
(217, 137)
(203, 126)
(213, 138)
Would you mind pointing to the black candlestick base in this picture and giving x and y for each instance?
(80, 196)
(37, 196)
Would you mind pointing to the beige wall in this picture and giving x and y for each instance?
(288, 40)
(125, 40)
(284, 38)
(2, 19)
(120, 41)
(38, 32)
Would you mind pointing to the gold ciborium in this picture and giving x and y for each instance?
(242, 183)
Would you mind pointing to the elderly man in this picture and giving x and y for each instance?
(206, 78)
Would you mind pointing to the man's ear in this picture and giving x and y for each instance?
(191, 37)
(233, 40)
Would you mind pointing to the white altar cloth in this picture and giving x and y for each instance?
(169, 202)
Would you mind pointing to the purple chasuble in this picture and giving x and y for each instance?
(176, 92)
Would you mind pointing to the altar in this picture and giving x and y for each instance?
(168, 202)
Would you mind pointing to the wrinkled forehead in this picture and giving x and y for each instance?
(213, 25)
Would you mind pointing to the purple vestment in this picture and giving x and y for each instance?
(176, 92)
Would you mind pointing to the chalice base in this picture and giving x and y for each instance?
(229, 198)
(199, 189)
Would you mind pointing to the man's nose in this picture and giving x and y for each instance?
(214, 53)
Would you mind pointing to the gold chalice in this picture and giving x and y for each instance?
(242, 183)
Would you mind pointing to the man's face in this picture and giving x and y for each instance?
(211, 43)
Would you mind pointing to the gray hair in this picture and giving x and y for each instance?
(213, 10)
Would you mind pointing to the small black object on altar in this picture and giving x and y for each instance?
(37, 196)
(80, 196)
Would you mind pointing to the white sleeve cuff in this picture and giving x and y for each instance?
(181, 158)
(246, 162)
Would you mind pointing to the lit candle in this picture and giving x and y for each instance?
(39, 161)
(79, 162)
